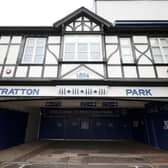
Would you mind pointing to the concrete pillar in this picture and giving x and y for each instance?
(33, 125)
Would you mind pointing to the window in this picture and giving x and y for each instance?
(34, 51)
(160, 49)
(126, 50)
(82, 48)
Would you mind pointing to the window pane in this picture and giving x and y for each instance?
(4, 39)
(154, 41)
(140, 39)
(82, 47)
(126, 50)
(82, 51)
(111, 39)
(69, 47)
(156, 51)
(146, 71)
(82, 56)
(29, 51)
(39, 55)
(157, 55)
(69, 56)
(165, 50)
(34, 50)
(30, 42)
(127, 55)
(50, 71)
(114, 72)
(164, 41)
(16, 39)
(130, 72)
(95, 47)
(53, 39)
(69, 51)
(95, 51)
(21, 71)
(13, 54)
(158, 59)
(28, 55)
(125, 41)
(39, 51)
(35, 71)
(162, 71)
(95, 56)
(38, 59)
(41, 42)
(3, 51)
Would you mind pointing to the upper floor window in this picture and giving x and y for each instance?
(126, 50)
(160, 49)
(82, 48)
(34, 51)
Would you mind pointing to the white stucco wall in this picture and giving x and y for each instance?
(132, 10)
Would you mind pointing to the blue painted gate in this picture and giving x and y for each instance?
(87, 126)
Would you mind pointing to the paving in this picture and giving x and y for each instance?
(75, 154)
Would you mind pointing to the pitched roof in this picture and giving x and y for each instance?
(82, 12)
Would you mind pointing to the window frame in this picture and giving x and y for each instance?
(78, 36)
(20, 60)
(124, 47)
(161, 47)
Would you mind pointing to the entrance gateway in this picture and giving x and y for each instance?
(99, 112)
(102, 112)
(107, 119)
(86, 78)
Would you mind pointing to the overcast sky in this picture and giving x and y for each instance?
(37, 12)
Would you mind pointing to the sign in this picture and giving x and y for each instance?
(138, 92)
(83, 91)
(19, 91)
(82, 75)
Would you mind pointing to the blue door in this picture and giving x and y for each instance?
(52, 128)
(72, 130)
(78, 128)
(85, 128)
(99, 128)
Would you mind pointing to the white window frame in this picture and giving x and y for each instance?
(161, 47)
(33, 56)
(87, 39)
(126, 46)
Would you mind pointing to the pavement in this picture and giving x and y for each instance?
(84, 154)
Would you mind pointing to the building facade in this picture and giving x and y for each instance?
(86, 77)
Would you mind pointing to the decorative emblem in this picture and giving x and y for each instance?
(84, 91)
(82, 75)
(8, 71)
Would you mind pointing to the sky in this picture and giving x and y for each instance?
(38, 12)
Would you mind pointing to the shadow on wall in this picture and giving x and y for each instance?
(12, 127)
